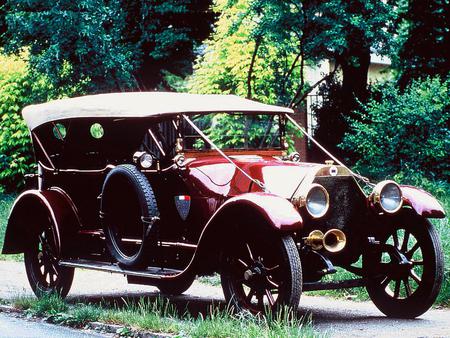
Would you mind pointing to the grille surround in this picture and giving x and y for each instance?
(348, 212)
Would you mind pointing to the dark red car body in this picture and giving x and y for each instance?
(72, 170)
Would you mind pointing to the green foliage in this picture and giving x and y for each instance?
(244, 131)
(225, 63)
(424, 40)
(107, 45)
(48, 305)
(260, 49)
(16, 157)
(79, 316)
(17, 89)
(326, 29)
(404, 132)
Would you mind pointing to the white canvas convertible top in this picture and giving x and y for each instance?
(140, 104)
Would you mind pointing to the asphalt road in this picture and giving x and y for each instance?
(338, 318)
(12, 327)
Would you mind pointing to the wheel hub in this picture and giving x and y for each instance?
(400, 270)
(255, 276)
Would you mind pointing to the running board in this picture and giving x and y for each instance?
(344, 284)
(151, 272)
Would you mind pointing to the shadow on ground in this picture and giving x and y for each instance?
(188, 304)
(183, 303)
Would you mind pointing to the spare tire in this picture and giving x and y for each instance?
(128, 211)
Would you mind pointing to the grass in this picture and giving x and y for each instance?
(161, 316)
(442, 225)
(213, 280)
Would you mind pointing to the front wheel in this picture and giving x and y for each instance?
(41, 264)
(405, 277)
(261, 273)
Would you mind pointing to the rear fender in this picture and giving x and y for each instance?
(270, 211)
(32, 208)
(422, 202)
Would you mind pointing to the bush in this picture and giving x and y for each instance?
(17, 89)
(403, 131)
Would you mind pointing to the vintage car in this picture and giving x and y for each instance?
(164, 187)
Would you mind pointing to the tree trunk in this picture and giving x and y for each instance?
(355, 68)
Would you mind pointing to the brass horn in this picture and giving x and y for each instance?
(333, 240)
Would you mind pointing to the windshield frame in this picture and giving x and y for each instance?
(280, 135)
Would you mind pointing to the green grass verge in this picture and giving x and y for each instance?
(161, 316)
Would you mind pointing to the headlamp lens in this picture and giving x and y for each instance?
(317, 201)
(146, 160)
(390, 197)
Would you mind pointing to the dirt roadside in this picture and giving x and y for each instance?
(338, 318)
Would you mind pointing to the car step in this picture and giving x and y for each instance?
(150, 272)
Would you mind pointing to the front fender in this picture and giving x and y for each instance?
(270, 211)
(422, 202)
(30, 210)
(278, 212)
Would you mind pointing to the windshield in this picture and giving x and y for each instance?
(234, 131)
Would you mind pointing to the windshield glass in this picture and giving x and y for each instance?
(234, 131)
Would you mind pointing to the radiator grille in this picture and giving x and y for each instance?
(347, 212)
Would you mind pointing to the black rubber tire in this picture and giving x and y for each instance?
(175, 288)
(274, 249)
(127, 200)
(404, 302)
(41, 264)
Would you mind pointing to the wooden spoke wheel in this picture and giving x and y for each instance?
(262, 273)
(41, 263)
(406, 276)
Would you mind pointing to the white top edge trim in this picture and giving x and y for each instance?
(140, 104)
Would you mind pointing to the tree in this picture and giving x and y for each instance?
(16, 91)
(404, 131)
(341, 31)
(107, 45)
(296, 33)
(239, 59)
(425, 46)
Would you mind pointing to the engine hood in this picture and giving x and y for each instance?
(215, 175)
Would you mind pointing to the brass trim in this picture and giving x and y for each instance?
(375, 196)
(300, 201)
(334, 240)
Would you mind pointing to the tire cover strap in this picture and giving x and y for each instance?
(149, 221)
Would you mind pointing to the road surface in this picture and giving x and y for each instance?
(12, 327)
(338, 318)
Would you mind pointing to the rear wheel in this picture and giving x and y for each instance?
(262, 273)
(41, 264)
(405, 280)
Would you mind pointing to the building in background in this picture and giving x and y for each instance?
(378, 71)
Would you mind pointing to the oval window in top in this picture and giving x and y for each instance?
(97, 131)
(59, 131)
